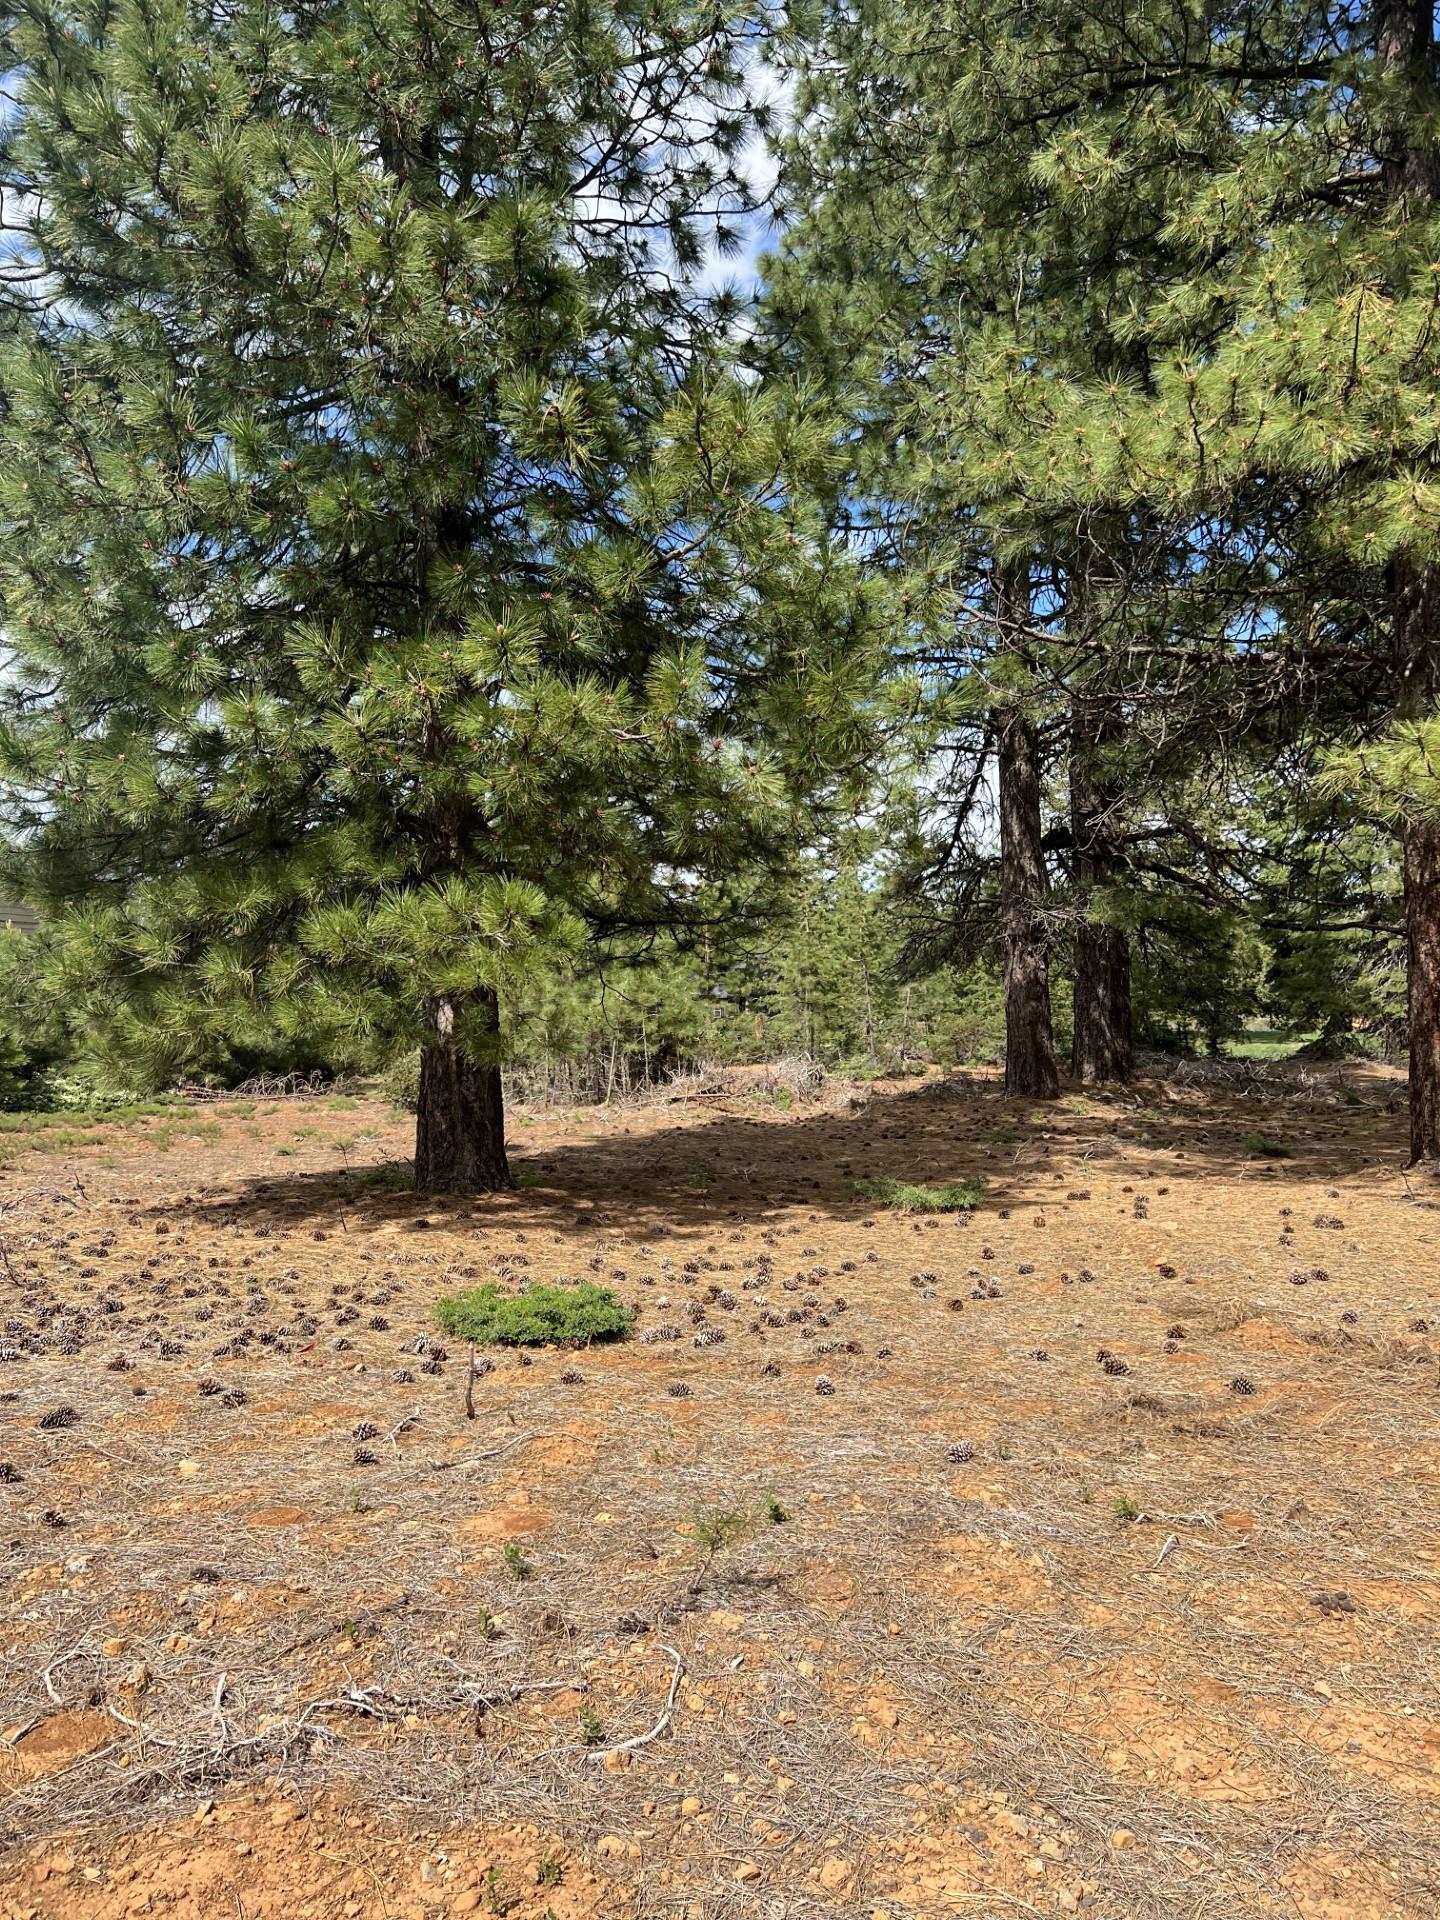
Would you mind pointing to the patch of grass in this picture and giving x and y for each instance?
(49, 1139)
(163, 1137)
(1124, 1508)
(592, 1727)
(1267, 1043)
(904, 1196)
(1258, 1147)
(50, 1132)
(775, 1514)
(538, 1316)
(395, 1176)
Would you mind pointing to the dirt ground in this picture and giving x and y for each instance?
(1080, 1555)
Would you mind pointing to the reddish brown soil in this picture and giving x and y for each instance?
(1033, 1636)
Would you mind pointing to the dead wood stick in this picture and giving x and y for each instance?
(666, 1714)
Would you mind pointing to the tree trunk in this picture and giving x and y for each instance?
(1416, 612)
(1029, 1039)
(1421, 850)
(1405, 44)
(460, 1122)
(1102, 1049)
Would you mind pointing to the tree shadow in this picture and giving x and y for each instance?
(725, 1163)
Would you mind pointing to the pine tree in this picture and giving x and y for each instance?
(1214, 252)
(1171, 269)
(906, 258)
(397, 578)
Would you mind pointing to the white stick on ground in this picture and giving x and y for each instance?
(667, 1712)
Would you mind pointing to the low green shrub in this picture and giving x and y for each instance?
(400, 1081)
(1258, 1147)
(538, 1316)
(901, 1196)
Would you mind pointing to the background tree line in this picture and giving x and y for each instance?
(443, 614)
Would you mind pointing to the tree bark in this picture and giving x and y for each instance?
(1029, 1038)
(1405, 44)
(1103, 1048)
(460, 1121)
(1416, 612)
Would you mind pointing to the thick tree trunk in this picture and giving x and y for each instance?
(460, 1122)
(1029, 1039)
(1421, 851)
(1416, 613)
(1405, 45)
(1103, 1048)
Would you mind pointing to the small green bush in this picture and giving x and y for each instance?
(716, 1528)
(539, 1316)
(956, 1196)
(89, 1090)
(1259, 1148)
(516, 1565)
(400, 1081)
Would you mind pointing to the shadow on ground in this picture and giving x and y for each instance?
(746, 1164)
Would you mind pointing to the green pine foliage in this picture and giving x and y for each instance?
(1145, 296)
(425, 591)
(407, 598)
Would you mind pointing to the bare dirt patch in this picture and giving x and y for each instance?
(1085, 1556)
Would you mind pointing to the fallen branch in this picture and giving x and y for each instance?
(478, 1459)
(59, 1661)
(666, 1715)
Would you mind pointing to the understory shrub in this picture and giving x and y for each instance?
(538, 1316)
(902, 1196)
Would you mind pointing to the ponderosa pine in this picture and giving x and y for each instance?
(1173, 268)
(392, 571)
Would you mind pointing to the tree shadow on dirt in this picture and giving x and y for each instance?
(723, 1163)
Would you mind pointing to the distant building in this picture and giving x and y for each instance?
(24, 919)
